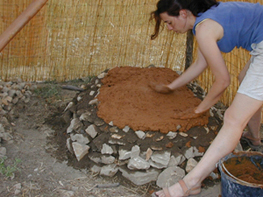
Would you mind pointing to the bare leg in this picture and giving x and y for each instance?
(235, 119)
(255, 122)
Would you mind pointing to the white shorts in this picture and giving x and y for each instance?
(252, 84)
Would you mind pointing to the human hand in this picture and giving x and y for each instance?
(160, 88)
(189, 114)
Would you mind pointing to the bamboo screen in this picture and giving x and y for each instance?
(71, 39)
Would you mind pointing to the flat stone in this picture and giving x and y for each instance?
(92, 131)
(85, 117)
(107, 159)
(176, 160)
(126, 129)
(80, 139)
(75, 124)
(162, 158)
(106, 149)
(140, 134)
(170, 176)
(124, 154)
(138, 163)
(80, 150)
(140, 177)
(191, 163)
(109, 170)
(135, 152)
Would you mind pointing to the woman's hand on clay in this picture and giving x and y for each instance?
(160, 88)
(189, 114)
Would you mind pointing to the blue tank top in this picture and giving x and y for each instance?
(242, 23)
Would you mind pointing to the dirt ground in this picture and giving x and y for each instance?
(42, 173)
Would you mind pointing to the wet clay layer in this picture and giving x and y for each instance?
(126, 99)
(243, 168)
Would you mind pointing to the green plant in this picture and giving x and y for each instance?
(48, 91)
(9, 170)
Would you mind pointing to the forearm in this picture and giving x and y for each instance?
(190, 74)
(212, 97)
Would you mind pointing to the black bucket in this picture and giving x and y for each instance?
(232, 186)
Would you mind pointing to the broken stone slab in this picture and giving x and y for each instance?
(96, 158)
(106, 149)
(75, 124)
(171, 135)
(192, 152)
(92, 131)
(176, 160)
(140, 177)
(95, 169)
(135, 151)
(170, 176)
(94, 102)
(191, 163)
(124, 154)
(85, 116)
(107, 159)
(157, 165)
(126, 129)
(109, 170)
(80, 150)
(80, 138)
(162, 158)
(138, 163)
(140, 134)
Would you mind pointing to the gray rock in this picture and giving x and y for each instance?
(80, 139)
(162, 158)
(86, 117)
(95, 169)
(124, 154)
(75, 124)
(170, 176)
(106, 149)
(92, 131)
(126, 129)
(80, 150)
(107, 159)
(140, 177)
(109, 170)
(176, 160)
(135, 152)
(140, 134)
(138, 163)
(191, 163)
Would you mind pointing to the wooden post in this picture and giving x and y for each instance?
(189, 49)
(20, 22)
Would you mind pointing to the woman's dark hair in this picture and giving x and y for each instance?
(172, 7)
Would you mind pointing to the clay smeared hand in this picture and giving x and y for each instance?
(160, 88)
(189, 114)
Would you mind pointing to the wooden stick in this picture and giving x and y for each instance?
(20, 22)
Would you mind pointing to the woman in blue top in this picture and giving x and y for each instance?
(218, 27)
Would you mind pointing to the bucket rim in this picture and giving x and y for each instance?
(223, 169)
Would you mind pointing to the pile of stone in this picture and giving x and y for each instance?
(11, 93)
(140, 156)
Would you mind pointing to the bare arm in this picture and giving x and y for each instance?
(191, 73)
(207, 35)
